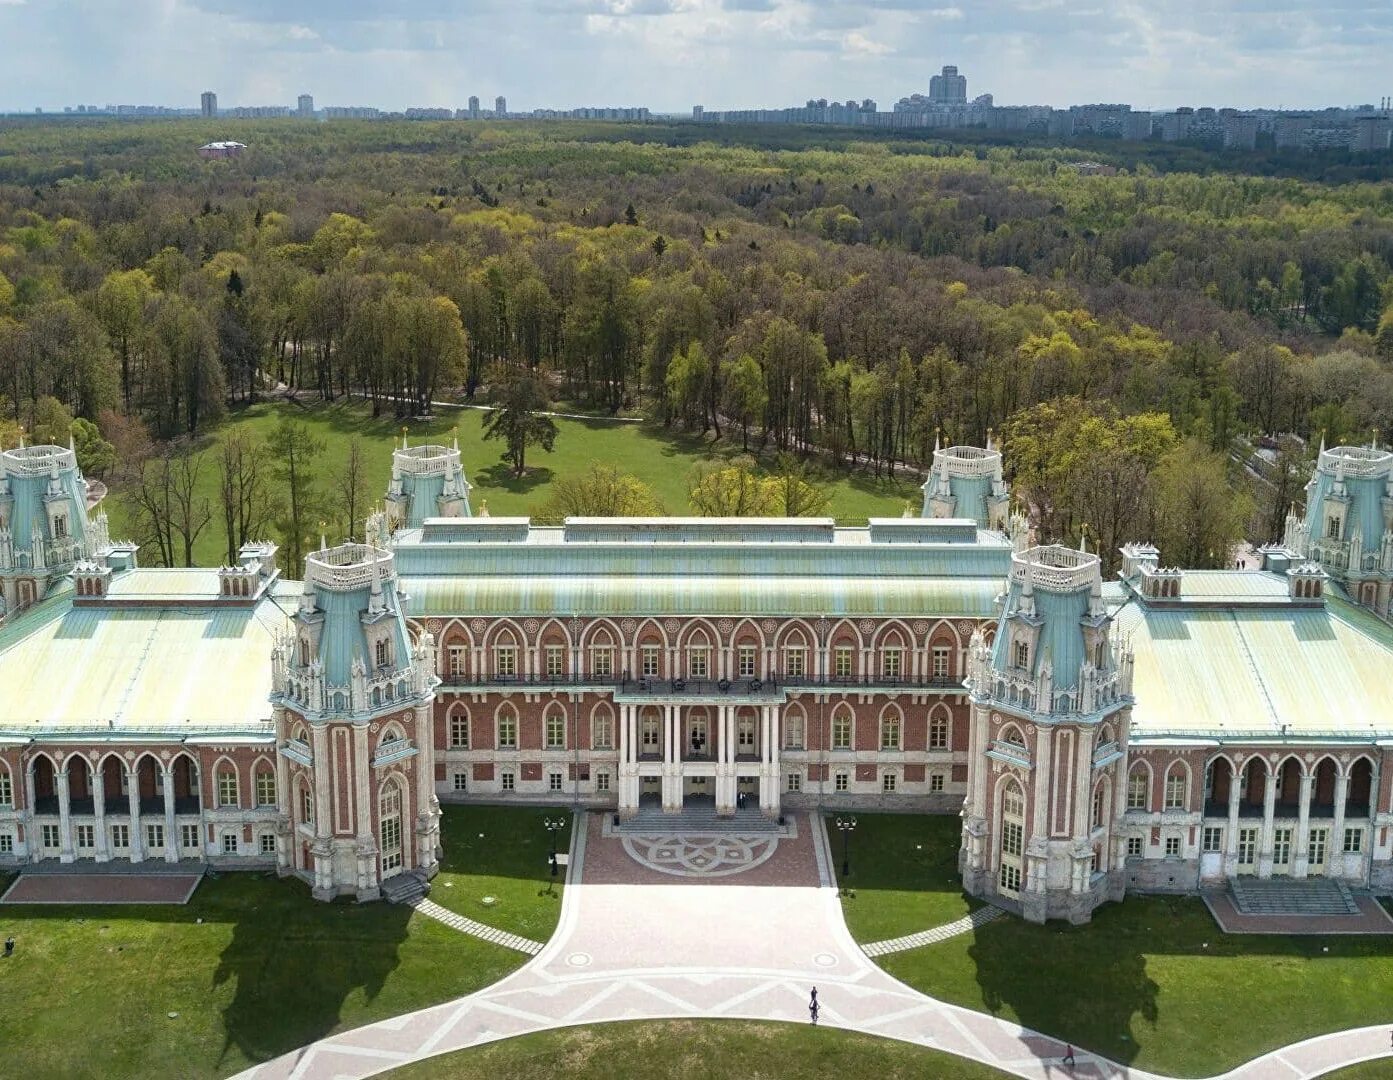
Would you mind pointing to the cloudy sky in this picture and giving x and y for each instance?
(670, 54)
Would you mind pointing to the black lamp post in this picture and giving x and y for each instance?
(845, 825)
(552, 825)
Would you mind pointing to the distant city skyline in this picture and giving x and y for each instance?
(671, 54)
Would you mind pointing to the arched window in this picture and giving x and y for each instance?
(890, 729)
(459, 727)
(505, 655)
(939, 728)
(1138, 785)
(842, 725)
(265, 786)
(226, 784)
(650, 732)
(602, 654)
(556, 728)
(507, 722)
(698, 655)
(602, 728)
(1022, 654)
(1098, 807)
(892, 657)
(306, 805)
(1012, 848)
(794, 729)
(7, 791)
(795, 655)
(1177, 788)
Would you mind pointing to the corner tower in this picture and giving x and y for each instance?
(45, 529)
(1348, 524)
(427, 481)
(1051, 708)
(352, 693)
(966, 482)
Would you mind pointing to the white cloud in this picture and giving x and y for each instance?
(858, 44)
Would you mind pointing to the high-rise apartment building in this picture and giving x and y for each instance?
(500, 107)
(948, 88)
(473, 106)
(304, 107)
(208, 104)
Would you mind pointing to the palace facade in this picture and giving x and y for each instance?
(1163, 730)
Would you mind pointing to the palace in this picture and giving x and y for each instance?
(1161, 731)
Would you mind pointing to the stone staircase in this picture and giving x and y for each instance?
(404, 888)
(700, 820)
(1288, 896)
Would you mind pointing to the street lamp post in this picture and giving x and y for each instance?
(845, 825)
(552, 825)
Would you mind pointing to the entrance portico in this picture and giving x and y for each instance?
(716, 745)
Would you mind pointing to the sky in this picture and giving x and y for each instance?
(672, 54)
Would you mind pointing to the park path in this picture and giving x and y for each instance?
(661, 952)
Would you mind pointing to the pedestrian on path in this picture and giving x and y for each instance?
(813, 1009)
(814, 998)
(1068, 1055)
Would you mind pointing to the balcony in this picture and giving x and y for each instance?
(775, 684)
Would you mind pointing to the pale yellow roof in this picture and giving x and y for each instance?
(127, 668)
(1243, 670)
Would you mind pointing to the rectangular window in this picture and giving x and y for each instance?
(1134, 847)
(887, 782)
(841, 731)
(268, 843)
(746, 655)
(50, 836)
(1172, 847)
(154, 837)
(602, 732)
(940, 662)
(841, 782)
(795, 781)
(459, 731)
(602, 781)
(1316, 844)
(306, 807)
(86, 836)
(841, 662)
(507, 665)
(602, 662)
(556, 731)
(938, 733)
(460, 781)
(120, 837)
(1022, 654)
(889, 733)
(1012, 838)
(508, 731)
(1010, 878)
(1213, 838)
(7, 843)
(227, 788)
(6, 789)
(698, 662)
(556, 661)
(795, 662)
(266, 788)
(1247, 846)
(936, 782)
(1136, 791)
(1281, 847)
(229, 843)
(554, 781)
(188, 837)
(891, 663)
(1354, 841)
(508, 781)
(793, 733)
(384, 652)
(650, 656)
(457, 654)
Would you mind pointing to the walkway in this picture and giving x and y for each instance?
(476, 929)
(700, 950)
(980, 917)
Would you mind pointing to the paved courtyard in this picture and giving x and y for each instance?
(639, 942)
(38, 888)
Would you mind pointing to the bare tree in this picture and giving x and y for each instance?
(171, 511)
(244, 491)
(351, 484)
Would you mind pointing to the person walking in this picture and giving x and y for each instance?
(1068, 1055)
(813, 1009)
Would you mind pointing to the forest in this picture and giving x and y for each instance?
(1158, 351)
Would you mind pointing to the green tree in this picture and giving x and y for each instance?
(600, 491)
(733, 490)
(95, 456)
(121, 301)
(743, 392)
(294, 451)
(1200, 517)
(519, 400)
(50, 423)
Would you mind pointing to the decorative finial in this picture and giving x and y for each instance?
(936, 438)
(403, 436)
(1083, 537)
(323, 544)
(989, 438)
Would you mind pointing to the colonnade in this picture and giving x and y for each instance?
(137, 849)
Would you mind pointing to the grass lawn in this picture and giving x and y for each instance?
(501, 852)
(88, 990)
(1378, 1069)
(904, 874)
(661, 458)
(679, 1049)
(1153, 983)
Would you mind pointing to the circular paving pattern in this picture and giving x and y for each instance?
(700, 856)
(823, 959)
(578, 959)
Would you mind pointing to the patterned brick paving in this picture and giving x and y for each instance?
(980, 917)
(101, 889)
(475, 929)
(1370, 919)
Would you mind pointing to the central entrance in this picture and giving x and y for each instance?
(699, 791)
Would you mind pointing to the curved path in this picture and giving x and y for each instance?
(687, 951)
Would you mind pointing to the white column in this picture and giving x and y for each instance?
(1043, 769)
(285, 831)
(65, 821)
(1336, 858)
(99, 815)
(1300, 857)
(1231, 841)
(361, 794)
(171, 832)
(133, 794)
(1269, 806)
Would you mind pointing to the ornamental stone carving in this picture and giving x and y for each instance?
(530, 627)
(725, 626)
(434, 626)
(867, 626)
(478, 625)
(673, 627)
(965, 627)
(628, 626)
(921, 627)
(770, 627)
